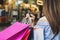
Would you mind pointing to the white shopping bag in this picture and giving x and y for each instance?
(38, 34)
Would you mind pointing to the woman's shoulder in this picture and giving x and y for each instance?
(44, 24)
(43, 21)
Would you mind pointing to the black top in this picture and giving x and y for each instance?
(4, 13)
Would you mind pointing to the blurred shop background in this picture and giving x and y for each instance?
(15, 10)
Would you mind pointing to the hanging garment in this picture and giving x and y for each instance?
(2, 19)
(14, 13)
(1, 11)
(4, 13)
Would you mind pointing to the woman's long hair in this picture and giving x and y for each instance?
(51, 10)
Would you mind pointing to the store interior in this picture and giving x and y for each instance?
(21, 7)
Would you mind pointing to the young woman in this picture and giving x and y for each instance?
(50, 23)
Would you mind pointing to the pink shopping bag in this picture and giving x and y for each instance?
(14, 32)
(26, 35)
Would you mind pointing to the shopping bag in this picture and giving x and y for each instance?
(26, 35)
(14, 32)
(31, 36)
(38, 34)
